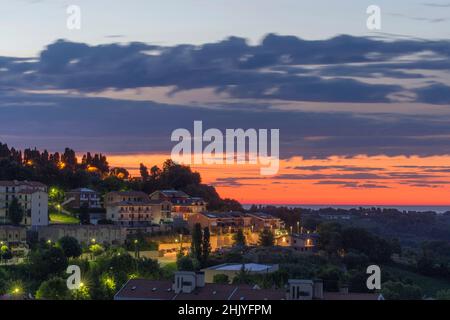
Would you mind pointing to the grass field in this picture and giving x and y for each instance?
(61, 218)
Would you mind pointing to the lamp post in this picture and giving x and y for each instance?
(136, 248)
(298, 226)
(92, 243)
(1, 252)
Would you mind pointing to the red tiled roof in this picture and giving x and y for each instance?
(140, 289)
(249, 293)
(211, 291)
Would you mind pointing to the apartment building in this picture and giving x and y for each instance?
(80, 197)
(219, 223)
(33, 198)
(133, 209)
(183, 205)
(303, 241)
(261, 221)
(230, 222)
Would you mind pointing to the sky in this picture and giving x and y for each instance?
(363, 115)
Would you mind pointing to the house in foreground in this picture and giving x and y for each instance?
(192, 286)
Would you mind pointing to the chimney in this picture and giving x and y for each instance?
(318, 289)
(185, 282)
(200, 279)
(300, 289)
(343, 289)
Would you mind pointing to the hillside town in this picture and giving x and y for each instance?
(124, 217)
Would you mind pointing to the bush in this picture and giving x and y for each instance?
(443, 294)
(399, 291)
(53, 289)
(221, 278)
(70, 246)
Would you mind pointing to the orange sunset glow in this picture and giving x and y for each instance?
(361, 180)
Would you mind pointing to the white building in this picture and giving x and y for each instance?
(33, 198)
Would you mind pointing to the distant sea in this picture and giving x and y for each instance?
(437, 209)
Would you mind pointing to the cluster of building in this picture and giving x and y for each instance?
(230, 222)
(195, 286)
(129, 212)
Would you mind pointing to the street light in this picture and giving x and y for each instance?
(181, 242)
(136, 248)
(298, 226)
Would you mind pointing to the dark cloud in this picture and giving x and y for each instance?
(339, 168)
(352, 184)
(235, 67)
(110, 125)
(280, 67)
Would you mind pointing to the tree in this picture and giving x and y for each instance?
(44, 263)
(243, 277)
(239, 239)
(206, 245)
(15, 212)
(330, 239)
(400, 291)
(266, 238)
(84, 216)
(221, 279)
(96, 249)
(332, 278)
(53, 289)
(120, 173)
(443, 294)
(5, 253)
(70, 246)
(196, 245)
(144, 172)
(56, 195)
(185, 263)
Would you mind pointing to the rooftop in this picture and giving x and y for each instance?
(254, 267)
(174, 193)
(221, 215)
(139, 289)
(262, 215)
(128, 193)
(86, 190)
(15, 183)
